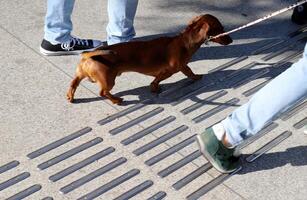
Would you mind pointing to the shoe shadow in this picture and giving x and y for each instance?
(295, 156)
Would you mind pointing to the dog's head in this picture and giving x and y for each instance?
(204, 26)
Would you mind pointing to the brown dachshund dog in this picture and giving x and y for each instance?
(160, 58)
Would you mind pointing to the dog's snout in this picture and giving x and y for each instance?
(224, 40)
(227, 40)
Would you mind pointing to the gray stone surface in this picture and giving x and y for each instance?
(34, 112)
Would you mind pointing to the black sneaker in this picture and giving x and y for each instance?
(74, 46)
(299, 15)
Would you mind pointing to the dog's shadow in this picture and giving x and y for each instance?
(170, 92)
(87, 100)
(295, 156)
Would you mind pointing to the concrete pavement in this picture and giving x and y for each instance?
(145, 149)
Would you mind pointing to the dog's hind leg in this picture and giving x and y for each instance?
(73, 85)
(106, 84)
(114, 99)
(186, 70)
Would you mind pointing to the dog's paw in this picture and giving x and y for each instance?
(70, 98)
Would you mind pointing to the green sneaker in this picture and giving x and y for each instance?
(216, 153)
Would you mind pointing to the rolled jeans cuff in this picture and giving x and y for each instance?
(231, 130)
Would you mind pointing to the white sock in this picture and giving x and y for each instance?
(219, 131)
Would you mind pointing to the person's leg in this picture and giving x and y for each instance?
(58, 26)
(121, 16)
(278, 95)
(247, 120)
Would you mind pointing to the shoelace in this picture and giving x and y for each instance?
(80, 41)
(72, 42)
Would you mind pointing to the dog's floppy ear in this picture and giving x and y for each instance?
(197, 31)
(203, 32)
(199, 28)
(200, 33)
(195, 19)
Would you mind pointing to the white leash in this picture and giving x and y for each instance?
(258, 20)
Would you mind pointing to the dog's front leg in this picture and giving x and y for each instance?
(186, 70)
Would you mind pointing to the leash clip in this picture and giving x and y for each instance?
(208, 40)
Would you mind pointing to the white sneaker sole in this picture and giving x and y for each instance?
(62, 53)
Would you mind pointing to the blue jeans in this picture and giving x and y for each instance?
(58, 25)
(277, 96)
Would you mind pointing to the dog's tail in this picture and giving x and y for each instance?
(89, 54)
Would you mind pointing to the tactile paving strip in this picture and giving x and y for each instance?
(179, 154)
